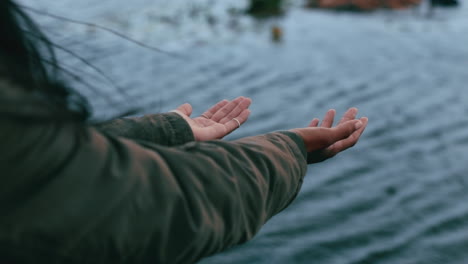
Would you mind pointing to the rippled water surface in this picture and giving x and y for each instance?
(400, 196)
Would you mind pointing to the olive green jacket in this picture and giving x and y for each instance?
(137, 190)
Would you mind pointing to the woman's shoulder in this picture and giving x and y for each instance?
(9, 90)
(18, 102)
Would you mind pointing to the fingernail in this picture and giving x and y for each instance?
(358, 125)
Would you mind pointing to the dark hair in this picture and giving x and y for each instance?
(27, 60)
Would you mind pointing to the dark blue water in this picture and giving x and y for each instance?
(399, 196)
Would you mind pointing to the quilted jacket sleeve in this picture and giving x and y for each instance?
(71, 194)
(168, 129)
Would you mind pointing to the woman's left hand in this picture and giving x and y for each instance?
(218, 121)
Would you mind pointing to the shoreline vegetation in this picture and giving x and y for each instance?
(271, 8)
(265, 8)
(362, 5)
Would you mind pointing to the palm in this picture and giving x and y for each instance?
(219, 120)
(207, 129)
(330, 151)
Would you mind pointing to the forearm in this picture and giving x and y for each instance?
(224, 192)
(167, 129)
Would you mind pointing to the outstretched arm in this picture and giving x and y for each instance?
(93, 198)
(102, 199)
(177, 127)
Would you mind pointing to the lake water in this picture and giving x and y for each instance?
(399, 196)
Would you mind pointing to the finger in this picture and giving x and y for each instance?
(347, 142)
(314, 122)
(185, 109)
(233, 125)
(328, 119)
(349, 115)
(243, 104)
(225, 110)
(215, 108)
(344, 130)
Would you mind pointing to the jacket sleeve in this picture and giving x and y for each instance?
(168, 129)
(79, 196)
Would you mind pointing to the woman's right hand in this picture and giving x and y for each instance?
(325, 141)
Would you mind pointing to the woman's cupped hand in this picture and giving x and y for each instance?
(219, 120)
(325, 141)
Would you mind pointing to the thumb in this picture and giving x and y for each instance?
(185, 109)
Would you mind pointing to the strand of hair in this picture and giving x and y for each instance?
(112, 31)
